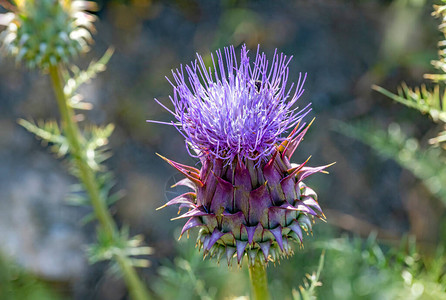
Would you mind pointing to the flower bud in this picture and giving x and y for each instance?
(41, 33)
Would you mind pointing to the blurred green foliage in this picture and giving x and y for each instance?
(16, 284)
(189, 276)
(412, 276)
(426, 164)
(364, 269)
(307, 291)
(428, 100)
(351, 268)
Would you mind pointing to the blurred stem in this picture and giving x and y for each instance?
(85, 172)
(137, 289)
(88, 178)
(259, 281)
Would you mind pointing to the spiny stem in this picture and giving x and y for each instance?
(88, 178)
(259, 281)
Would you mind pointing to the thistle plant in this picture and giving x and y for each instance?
(247, 198)
(425, 164)
(431, 101)
(47, 34)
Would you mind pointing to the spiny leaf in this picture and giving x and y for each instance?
(76, 102)
(96, 152)
(80, 77)
(106, 182)
(77, 200)
(441, 138)
(121, 245)
(426, 101)
(49, 132)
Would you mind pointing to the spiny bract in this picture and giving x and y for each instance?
(247, 198)
(44, 32)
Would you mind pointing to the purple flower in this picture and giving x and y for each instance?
(247, 197)
(237, 110)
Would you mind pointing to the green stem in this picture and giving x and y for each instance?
(137, 289)
(259, 281)
(88, 178)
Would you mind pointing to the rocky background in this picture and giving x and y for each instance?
(344, 46)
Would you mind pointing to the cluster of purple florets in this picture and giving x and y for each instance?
(236, 110)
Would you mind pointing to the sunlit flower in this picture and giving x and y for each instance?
(247, 197)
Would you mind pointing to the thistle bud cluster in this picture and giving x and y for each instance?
(42, 33)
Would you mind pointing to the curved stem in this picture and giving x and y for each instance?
(259, 281)
(88, 178)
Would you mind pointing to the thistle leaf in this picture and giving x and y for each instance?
(441, 138)
(48, 132)
(122, 246)
(96, 150)
(424, 100)
(80, 77)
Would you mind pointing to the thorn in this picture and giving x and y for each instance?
(189, 172)
(329, 165)
(161, 207)
(282, 147)
(289, 151)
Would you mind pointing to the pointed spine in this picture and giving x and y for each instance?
(191, 173)
(230, 254)
(265, 246)
(277, 233)
(241, 246)
(191, 223)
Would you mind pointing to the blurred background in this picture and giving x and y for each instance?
(344, 46)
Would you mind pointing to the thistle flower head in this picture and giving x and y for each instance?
(238, 110)
(45, 32)
(247, 197)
